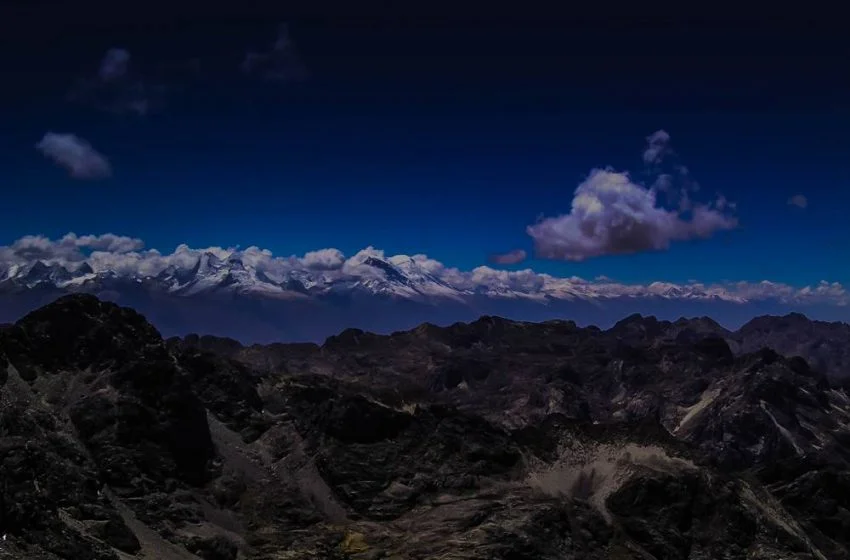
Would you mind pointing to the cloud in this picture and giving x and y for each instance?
(484, 278)
(422, 262)
(278, 64)
(114, 65)
(118, 88)
(324, 259)
(106, 242)
(70, 248)
(76, 155)
(126, 256)
(612, 215)
(657, 147)
(798, 200)
(511, 257)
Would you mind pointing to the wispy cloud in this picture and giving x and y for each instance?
(798, 200)
(280, 63)
(611, 214)
(118, 87)
(114, 65)
(657, 147)
(76, 155)
(511, 257)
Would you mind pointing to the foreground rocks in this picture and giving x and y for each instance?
(492, 439)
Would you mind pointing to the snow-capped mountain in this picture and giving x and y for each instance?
(41, 274)
(399, 277)
(252, 295)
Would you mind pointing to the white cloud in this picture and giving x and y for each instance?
(76, 155)
(324, 259)
(612, 215)
(525, 281)
(426, 264)
(798, 200)
(126, 256)
(68, 248)
(356, 265)
(254, 256)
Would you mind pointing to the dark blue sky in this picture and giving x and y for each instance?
(423, 134)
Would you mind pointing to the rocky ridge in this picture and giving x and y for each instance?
(490, 439)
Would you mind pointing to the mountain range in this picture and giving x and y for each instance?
(254, 297)
(493, 439)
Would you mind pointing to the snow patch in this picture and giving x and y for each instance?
(692, 411)
(782, 430)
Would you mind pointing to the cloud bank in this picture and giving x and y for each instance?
(76, 155)
(126, 256)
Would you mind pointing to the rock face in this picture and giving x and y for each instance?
(492, 439)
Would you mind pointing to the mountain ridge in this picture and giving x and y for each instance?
(764, 332)
(491, 439)
(399, 276)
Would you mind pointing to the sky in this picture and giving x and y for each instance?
(630, 147)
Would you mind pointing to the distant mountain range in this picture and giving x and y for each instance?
(234, 294)
(825, 346)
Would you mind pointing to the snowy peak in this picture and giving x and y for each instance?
(39, 272)
(235, 263)
(327, 272)
(43, 274)
(392, 273)
(209, 264)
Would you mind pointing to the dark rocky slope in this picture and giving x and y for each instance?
(825, 345)
(493, 439)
